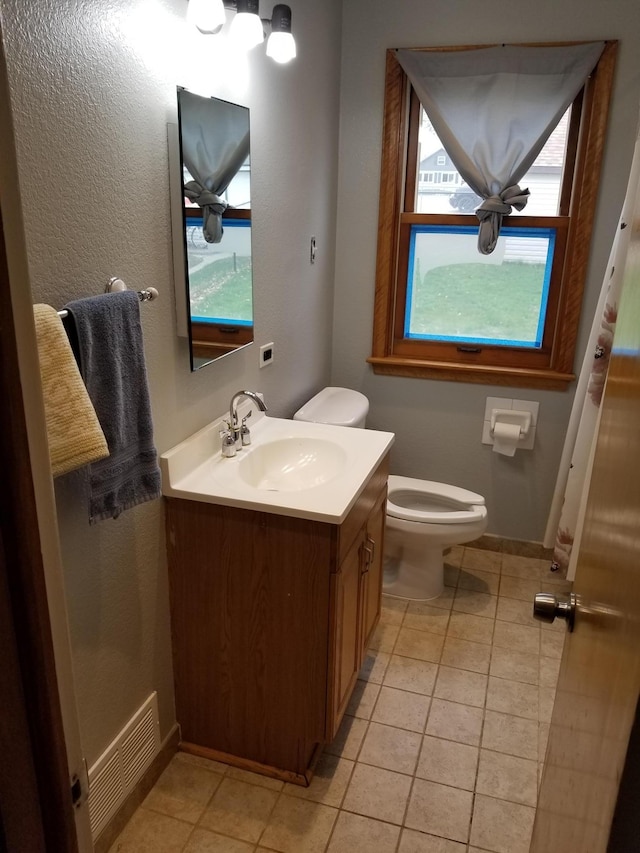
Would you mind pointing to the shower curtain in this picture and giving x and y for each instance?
(564, 526)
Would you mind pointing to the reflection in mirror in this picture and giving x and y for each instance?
(216, 222)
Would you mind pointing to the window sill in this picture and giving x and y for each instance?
(549, 380)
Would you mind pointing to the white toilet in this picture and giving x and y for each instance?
(423, 517)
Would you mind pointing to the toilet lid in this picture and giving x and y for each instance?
(430, 502)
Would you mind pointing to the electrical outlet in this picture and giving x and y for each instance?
(266, 354)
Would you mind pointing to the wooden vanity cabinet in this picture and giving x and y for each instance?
(271, 617)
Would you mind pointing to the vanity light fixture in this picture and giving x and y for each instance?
(208, 16)
(247, 27)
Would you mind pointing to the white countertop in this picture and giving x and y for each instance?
(195, 470)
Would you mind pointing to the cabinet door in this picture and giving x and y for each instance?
(346, 635)
(372, 570)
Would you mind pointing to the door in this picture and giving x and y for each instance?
(345, 635)
(372, 577)
(599, 679)
(39, 730)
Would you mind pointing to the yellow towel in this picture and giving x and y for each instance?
(75, 435)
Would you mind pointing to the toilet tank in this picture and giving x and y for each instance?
(338, 406)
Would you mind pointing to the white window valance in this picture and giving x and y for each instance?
(493, 109)
(215, 144)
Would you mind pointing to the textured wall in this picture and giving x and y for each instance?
(93, 87)
(438, 425)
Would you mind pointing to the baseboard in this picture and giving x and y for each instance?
(114, 827)
(518, 547)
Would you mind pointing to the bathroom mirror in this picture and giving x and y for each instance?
(215, 201)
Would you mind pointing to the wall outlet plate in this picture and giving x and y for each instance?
(266, 354)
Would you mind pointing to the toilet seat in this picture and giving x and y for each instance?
(440, 503)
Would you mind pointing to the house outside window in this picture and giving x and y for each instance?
(443, 310)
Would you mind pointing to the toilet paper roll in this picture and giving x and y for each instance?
(506, 438)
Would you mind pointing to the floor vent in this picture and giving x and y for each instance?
(121, 765)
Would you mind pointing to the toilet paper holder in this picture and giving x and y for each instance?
(511, 416)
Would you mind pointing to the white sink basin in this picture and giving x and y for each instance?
(292, 464)
(293, 468)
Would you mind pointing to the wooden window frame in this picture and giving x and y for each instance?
(551, 366)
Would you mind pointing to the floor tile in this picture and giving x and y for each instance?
(543, 740)
(416, 676)
(254, 778)
(203, 841)
(239, 810)
(440, 810)
(479, 581)
(501, 826)
(384, 637)
(453, 555)
(506, 663)
(458, 685)
(392, 610)
(444, 600)
(477, 603)
(478, 558)
(547, 696)
(551, 644)
(298, 826)
(402, 709)
(525, 590)
(465, 626)
(363, 699)
(464, 654)
(374, 666)
(197, 761)
(507, 777)
(358, 834)
(412, 841)
(182, 791)
(424, 617)
(549, 671)
(448, 763)
(348, 740)
(449, 720)
(150, 832)
(391, 748)
(517, 638)
(526, 568)
(513, 697)
(559, 585)
(421, 645)
(451, 574)
(511, 735)
(515, 610)
(378, 793)
(329, 784)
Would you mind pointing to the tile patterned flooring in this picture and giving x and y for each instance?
(440, 751)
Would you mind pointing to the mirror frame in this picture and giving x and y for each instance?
(208, 342)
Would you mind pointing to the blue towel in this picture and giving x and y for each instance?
(110, 352)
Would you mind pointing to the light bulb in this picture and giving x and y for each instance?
(281, 47)
(207, 15)
(246, 30)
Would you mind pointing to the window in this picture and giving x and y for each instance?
(443, 310)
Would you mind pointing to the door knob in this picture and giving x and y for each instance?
(547, 606)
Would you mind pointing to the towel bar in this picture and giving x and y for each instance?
(116, 284)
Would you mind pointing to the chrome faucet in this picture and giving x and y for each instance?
(237, 435)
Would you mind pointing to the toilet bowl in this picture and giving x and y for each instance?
(424, 518)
